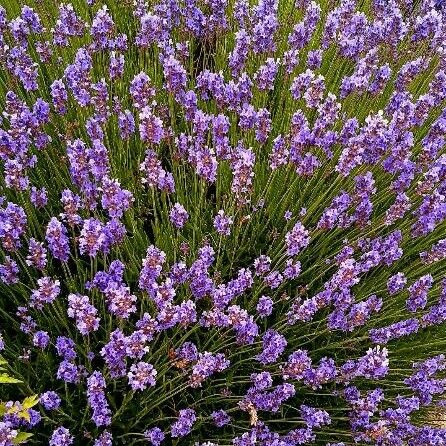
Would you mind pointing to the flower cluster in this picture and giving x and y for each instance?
(97, 400)
(222, 222)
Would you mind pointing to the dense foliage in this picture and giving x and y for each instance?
(222, 222)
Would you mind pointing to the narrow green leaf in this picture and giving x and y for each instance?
(6, 379)
(30, 401)
(22, 437)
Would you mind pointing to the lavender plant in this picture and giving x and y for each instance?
(222, 221)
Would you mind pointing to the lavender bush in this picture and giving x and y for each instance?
(222, 222)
